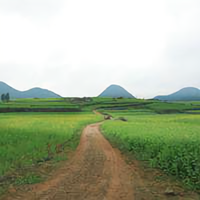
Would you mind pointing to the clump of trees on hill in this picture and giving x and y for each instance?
(5, 97)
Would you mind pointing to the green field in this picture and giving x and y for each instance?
(26, 138)
(169, 142)
(166, 134)
(39, 103)
(102, 104)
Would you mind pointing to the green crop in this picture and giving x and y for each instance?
(26, 138)
(170, 142)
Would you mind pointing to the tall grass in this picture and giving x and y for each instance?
(25, 138)
(170, 142)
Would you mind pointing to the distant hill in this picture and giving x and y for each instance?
(116, 91)
(185, 94)
(32, 93)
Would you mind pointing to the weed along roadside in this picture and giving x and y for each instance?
(168, 142)
(29, 140)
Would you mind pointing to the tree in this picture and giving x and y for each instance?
(3, 97)
(7, 97)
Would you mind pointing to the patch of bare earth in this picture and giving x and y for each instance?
(97, 172)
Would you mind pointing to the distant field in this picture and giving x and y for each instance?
(27, 138)
(170, 142)
(188, 102)
(101, 104)
(39, 103)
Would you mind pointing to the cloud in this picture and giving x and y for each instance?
(77, 48)
(32, 9)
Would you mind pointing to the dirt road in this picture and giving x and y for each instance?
(95, 172)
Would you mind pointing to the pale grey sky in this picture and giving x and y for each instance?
(78, 48)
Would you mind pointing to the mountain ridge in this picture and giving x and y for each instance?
(184, 94)
(35, 92)
(116, 91)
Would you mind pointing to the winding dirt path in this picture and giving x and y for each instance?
(95, 172)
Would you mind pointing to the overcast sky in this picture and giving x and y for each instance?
(79, 47)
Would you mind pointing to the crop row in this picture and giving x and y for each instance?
(27, 138)
(170, 142)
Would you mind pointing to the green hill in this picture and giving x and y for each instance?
(185, 94)
(32, 93)
(116, 91)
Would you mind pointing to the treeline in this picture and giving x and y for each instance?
(5, 97)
